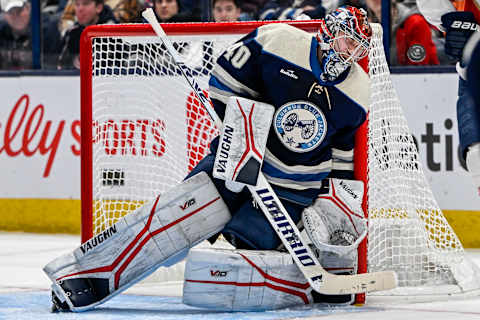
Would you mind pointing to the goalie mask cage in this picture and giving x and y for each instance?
(143, 130)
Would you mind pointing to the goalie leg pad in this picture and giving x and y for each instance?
(157, 234)
(243, 280)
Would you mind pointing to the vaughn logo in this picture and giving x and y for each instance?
(289, 73)
(188, 204)
(98, 239)
(218, 273)
(223, 151)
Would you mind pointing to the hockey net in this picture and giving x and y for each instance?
(143, 130)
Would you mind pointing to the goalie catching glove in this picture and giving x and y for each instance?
(336, 225)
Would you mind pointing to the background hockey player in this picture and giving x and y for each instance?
(459, 27)
(471, 56)
(319, 95)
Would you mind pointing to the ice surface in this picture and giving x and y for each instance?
(25, 294)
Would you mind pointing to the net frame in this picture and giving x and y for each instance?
(86, 71)
(365, 164)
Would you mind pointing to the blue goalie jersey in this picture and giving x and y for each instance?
(313, 129)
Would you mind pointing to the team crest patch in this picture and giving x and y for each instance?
(300, 125)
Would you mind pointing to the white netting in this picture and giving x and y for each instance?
(149, 131)
(407, 230)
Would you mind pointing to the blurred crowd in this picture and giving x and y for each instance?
(413, 40)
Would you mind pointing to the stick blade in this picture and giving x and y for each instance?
(329, 283)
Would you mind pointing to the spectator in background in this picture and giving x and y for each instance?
(292, 10)
(374, 10)
(411, 41)
(125, 11)
(202, 54)
(16, 40)
(331, 5)
(196, 8)
(353, 3)
(172, 11)
(87, 12)
(166, 9)
(251, 8)
(225, 10)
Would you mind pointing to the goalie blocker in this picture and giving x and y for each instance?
(159, 233)
(242, 142)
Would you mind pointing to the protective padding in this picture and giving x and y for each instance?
(243, 280)
(336, 222)
(158, 234)
(243, 140)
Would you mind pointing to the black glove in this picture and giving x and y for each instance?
(459, 26)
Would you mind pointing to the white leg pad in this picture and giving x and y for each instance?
(158, 234)
(243, 280)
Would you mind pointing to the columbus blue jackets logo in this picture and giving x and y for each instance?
(300, 125)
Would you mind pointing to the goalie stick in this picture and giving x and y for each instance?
(320, 280)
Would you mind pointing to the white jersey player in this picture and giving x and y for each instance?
(318, 95)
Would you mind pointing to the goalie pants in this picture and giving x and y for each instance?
(248, 228)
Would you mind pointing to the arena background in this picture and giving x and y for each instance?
(40, 150)
(40, 144)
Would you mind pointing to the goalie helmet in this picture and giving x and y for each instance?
(344, 37)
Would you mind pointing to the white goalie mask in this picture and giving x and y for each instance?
(344, 37)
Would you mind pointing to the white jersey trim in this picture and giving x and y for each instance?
(342, 154)
(220, 95)
(297, 169)
(296, 185)
(341, 165)
(322, 168)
